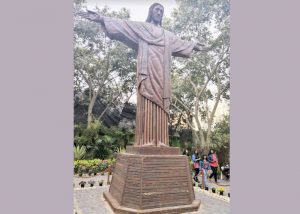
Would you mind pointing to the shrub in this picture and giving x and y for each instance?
(94, 166)
(76, 167)
(103, 165)
(82, 169)
(79, 152)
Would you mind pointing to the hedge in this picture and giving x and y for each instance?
(92, 166)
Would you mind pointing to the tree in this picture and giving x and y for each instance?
(102, 66)
(104, 72)
(200, 83)
(221, 140)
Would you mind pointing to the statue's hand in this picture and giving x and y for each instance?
(91, 15)
(201, 47)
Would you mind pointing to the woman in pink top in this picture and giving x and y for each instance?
(213, 160)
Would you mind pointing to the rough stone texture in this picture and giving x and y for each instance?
(145, 182)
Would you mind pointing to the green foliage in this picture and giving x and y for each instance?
(90, 138)
(101, 66)
(86, 136)
(206, 21)
(79, 152)
(93, 166)
(108, 68)
(79, 2)
(174, 141)
(76, 167)
(221, 141)
(102, 142)
(200, 83)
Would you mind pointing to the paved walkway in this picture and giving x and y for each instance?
(211, 204)
(89, 200)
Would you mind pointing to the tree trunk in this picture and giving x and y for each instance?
(90, 108)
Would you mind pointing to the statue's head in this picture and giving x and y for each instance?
(155, 14)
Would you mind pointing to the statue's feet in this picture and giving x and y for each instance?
(161, 144)
(149, 144)
(152, 144)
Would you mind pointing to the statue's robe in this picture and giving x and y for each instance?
(154, 46)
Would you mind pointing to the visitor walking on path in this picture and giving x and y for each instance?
(213, 160)
(204, 167)
(196, 159)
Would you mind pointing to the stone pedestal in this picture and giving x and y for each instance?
(152, 180)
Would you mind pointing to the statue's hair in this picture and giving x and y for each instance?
(151, 11)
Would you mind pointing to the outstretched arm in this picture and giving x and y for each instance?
(184, 48)
(201, 47)
(92, 16)
(115, 29)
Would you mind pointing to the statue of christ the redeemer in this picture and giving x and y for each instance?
(154, 46)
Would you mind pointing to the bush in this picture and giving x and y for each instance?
(94, 166)
(101, 142)
(79, 152)
(103, 165)
(76, 167)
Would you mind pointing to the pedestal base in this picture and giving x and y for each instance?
(117, 208)
(152, 184)
(152, 150)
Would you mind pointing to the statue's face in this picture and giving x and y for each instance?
(157, 14)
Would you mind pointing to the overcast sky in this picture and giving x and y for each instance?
(138, 8)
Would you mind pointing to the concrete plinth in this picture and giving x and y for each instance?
(152, 150)
(159, 183)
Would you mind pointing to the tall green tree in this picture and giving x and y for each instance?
(102, 66)
(221, 140)
(201, 82)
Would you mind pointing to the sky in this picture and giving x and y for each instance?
(138, 8)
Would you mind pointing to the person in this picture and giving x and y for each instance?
(196, 165)
(213, 160)
(226, 171)
(185, 152)
(204, 167)
(154, 46)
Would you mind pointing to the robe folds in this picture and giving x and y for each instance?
(154, 46)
